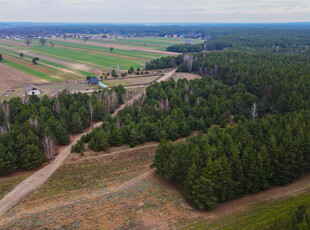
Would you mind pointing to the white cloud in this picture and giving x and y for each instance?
(155, 10)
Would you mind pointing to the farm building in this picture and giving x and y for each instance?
(93, 81)
(32, 90)
(188, 42)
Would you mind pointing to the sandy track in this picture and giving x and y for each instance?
(39, 177)
(119, 46)
(12, 77)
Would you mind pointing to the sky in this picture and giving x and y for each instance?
(160, 11)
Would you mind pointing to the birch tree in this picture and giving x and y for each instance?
(49, 146)
(253, 111)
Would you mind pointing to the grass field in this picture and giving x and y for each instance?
(259, 217)
(30, 71)
(99, 57)
(75, 59)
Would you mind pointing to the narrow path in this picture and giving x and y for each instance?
(38, 178)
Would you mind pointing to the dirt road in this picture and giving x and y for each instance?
(38, 178)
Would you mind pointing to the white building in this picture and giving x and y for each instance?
(32, 90)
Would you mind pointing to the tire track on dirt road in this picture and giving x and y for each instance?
(39, 177)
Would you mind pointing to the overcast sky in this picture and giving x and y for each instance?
(155, 10)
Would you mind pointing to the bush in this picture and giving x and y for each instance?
(78, 147)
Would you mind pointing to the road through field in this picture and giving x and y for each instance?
(38, 178)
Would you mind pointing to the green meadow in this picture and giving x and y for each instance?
(31, 71)
(259, 216)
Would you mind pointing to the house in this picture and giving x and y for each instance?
(93, 81)
(32, 90)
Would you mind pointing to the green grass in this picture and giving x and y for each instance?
(97, 60)
(30, 71)
(259, 217)
(129, 53)
(61, 74)
(48, 62)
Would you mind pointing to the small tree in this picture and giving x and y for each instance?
(43, 41)
(111, 49)
(78, 147)
(21, 55)
(131, 70)
(99, 142)
(35, 60)
(85, 39)
(113, 73)
(52, 44)
(1, 58)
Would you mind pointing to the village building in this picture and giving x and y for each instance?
(32, 90)
(93, 81)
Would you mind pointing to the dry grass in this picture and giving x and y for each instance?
(130, 81)
(188, 76)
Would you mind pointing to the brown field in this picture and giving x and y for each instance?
(130, 81)
(188, 76)
(12, 77)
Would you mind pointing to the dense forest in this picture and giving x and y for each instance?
(250, 154)
(30, 128)
(194, 48)
(281, 82)
(171, 110)
(243, 158)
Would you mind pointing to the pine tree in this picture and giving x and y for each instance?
(77, 123)
(116, 138)
(31, 157)
(7, 161)
(99, 142)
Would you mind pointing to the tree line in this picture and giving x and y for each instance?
(30, 127)
(279, 81)
(195, 48)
